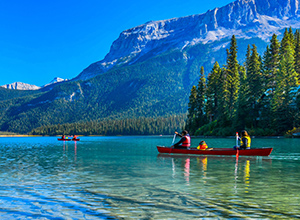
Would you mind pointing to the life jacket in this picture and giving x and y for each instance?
(187, 141)
(202, 147)
(249, 141)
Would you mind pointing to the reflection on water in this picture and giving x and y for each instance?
(125, 177)
(187, 171)
(221, 195)
(247, 176)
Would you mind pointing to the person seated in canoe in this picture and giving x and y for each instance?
(185, 141)
(74, 137)
(203, 146)
(63, 136)
(245, 141)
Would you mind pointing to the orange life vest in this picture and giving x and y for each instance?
(187, 141)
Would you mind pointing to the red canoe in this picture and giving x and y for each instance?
(216, 151)
(71, 139)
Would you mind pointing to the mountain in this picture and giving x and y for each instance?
(150, 69)
(20, 86)
(246, 19)
(55, 80)
(25, 86)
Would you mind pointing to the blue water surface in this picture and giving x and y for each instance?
(126, 178)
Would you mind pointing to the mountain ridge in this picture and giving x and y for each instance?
(243, 18)
(26, 86)
(20, 86)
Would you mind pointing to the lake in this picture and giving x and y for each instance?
(126, 178)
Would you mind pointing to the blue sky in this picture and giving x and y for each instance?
(40, 40)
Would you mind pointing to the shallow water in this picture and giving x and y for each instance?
(126, 178)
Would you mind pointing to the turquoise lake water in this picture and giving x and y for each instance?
(126, 178)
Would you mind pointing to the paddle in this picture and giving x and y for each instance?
(172, 142)
(173, 139)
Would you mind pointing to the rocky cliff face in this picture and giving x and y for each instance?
(243, 18)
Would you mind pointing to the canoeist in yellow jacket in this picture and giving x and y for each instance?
(245, 141)
(202, 146)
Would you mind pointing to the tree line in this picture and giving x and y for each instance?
(130, 126)
(261, 95)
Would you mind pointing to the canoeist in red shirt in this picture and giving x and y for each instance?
(185, 141)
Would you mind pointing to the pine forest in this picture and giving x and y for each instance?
(261, 95)
(133, 126)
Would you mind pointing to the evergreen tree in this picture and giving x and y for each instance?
(232, 81)
(192, 110)
(291, 76)
(267, 65)
(274, 49)
(243, 108)
(297, 53)
(283, 102)
(212, 92)
(273, 63)
(224, 95)
(285, 41)
(265, 99)
(291, 38)
(269, 68)
(200, 100)
(248, 54)
(256, 88)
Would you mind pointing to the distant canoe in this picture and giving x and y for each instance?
(216, 151)
(71, 139)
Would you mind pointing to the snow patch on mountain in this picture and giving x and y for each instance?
(55, 80)
(21, 86)
(25, 86)
(219, 47)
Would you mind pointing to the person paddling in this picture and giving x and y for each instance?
(245, 141)
(185, 141)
